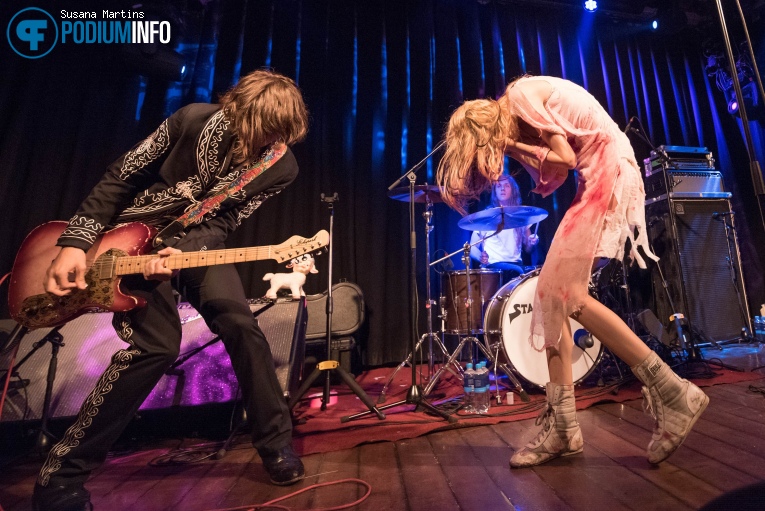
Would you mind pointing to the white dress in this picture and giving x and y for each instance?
(608, 207)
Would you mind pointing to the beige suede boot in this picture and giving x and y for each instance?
(560, 435)
(675, 404)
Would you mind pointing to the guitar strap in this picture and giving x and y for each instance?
(197, 212)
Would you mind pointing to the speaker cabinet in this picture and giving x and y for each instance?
(202, 373)
(700, 261)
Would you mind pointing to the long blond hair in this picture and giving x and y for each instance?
(475, 151)
(264, 106)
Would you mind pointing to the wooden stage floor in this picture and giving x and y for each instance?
(467, 468)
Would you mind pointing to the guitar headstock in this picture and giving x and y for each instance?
(298, 245)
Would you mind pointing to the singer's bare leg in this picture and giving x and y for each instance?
(614, 333)
(559, 361)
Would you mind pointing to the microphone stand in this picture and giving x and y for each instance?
(730, 238)
(679, 320)
(414, 395)
(327, 366)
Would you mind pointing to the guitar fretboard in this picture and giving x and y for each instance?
(135, 264)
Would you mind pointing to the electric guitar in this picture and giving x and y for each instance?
(121, 251)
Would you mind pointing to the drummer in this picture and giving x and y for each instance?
(502, 251)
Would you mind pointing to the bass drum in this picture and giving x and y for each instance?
(508, 321)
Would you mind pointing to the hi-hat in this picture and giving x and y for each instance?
(514, 216)
(422, 193)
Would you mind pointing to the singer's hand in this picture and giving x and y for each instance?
(484, 258)
(533, 239)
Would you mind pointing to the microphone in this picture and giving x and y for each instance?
(717, 214)
(583, 339)
(628, 127)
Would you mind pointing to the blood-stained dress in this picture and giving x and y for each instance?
(607, 209)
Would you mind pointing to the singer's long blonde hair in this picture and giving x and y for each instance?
(475, 150)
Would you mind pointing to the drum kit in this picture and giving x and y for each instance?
(485, 313)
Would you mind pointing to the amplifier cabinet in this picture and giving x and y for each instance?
(700, 261)
(204, 377)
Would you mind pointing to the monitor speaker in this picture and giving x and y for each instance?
(202, 374)
(699, 258)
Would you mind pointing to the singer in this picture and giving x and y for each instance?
(502, 250)
(551, 125)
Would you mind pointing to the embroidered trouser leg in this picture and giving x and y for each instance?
(153, 334)
(217, 293)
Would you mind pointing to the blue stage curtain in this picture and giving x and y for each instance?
(380, 79)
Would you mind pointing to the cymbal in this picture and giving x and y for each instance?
(514, 216)
(422, 193)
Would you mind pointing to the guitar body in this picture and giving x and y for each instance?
(31, 306)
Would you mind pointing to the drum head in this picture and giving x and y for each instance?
(516, 326)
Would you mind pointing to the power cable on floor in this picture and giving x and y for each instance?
(272, 503)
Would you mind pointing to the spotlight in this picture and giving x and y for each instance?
(155, 60)
(754, 108)
(590, 5)
(655, 24)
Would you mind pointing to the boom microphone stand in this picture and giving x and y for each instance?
(414, 395)
(327, 366)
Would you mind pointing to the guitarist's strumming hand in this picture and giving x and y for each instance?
(66, 272)
(156, 268)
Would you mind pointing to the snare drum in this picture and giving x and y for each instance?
(508, 321)
(484, 283)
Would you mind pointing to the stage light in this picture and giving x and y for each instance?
(590, 5)
(655, 24)
(155, 60)
(732, 106)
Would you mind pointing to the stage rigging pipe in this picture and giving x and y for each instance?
(754, 165)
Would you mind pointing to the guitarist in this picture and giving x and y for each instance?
(201, 151)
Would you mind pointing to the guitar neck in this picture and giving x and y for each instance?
(127, 265)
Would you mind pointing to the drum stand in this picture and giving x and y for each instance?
(471, 339)
(430, 336)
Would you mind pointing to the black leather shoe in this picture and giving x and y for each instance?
(61, 498)
(283, 465)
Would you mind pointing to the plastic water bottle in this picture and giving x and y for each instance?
(481, 398)
(759, 329)
(468, 385)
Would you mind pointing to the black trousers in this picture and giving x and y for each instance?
(153, 334)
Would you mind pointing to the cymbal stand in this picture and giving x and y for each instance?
(430, 336)
(470, 338)
(414, 395)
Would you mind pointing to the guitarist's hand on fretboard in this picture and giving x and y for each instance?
(157, 269)
(66, 272)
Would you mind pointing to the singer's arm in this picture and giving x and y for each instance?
(560, 159)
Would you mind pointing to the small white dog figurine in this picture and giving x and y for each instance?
(301, 266)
